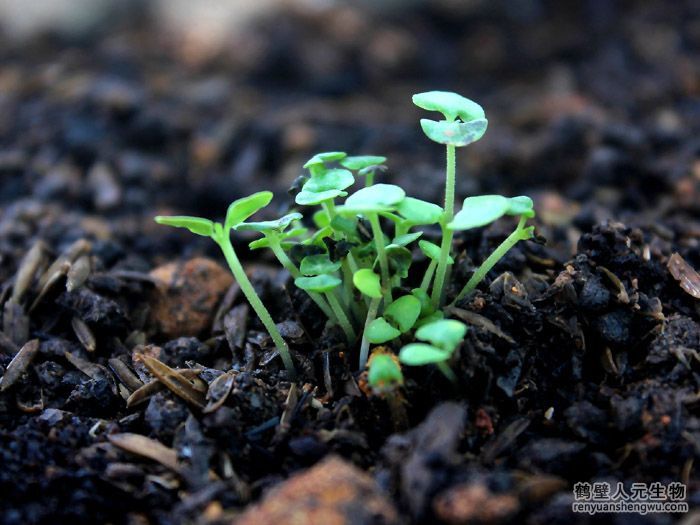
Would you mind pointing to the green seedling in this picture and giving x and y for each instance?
(350, 266)
(238, 212)
(442, 338)
(465, 122)
(385, 379)
(369, 202)
(479, 211)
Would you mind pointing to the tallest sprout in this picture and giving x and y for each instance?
(464, 123)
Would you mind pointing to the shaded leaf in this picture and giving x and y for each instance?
(196, 225)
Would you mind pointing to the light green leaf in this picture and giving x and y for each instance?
(405, 239)
(418, 212)
(309, 198)
(336, 179)
(403, 312)
(360, 162)
(418, 354)
(318, 283)
(197, 225)
(454, 133)
(479, 211)
(377, 198)
(445, 333)
(240, 209)
(430, 318)
(318, 264)
(451, 105)
(522, 205)
(322, 158)
(278, 225)
(379, 331)
(368, 283)
(432, 251)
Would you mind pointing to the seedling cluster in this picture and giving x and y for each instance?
(360, 251)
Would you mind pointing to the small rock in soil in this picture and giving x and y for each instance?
(474, 503)
(185, 301)
(333, 491)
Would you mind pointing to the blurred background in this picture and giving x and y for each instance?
(116, 110)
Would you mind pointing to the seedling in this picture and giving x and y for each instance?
(442, 338)
(465, 122)
(385, 379)
(238, 212)
(361, 250)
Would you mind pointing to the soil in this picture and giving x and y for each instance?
(581, 362)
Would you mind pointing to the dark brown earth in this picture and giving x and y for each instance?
(581, 363)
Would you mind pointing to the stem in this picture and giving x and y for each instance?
(288, 265)
(369, 179)
(447, 371)
(520, 234)
(381, 254)
(329, 206)
(342, 317)
(364, 347)
(234, 264)
(439, 283)
(428, 275)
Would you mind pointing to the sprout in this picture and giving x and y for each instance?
(370, 202)
(318, 265)
(369, 283)
(465, 122)
(399, 317)
(384, 374)
(443, 337)
(493, 206)
(238, 211)
(432, 252)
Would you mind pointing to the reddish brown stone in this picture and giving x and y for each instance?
(333, 492)
(184, 302)
(474, 504)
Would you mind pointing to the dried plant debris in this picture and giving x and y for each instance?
(147, 448)
(19, 364)
(686, 275)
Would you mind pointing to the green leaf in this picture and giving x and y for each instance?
(197, 225)
(445, 333)
(379, 331)
(321, 219)
(377, 198)
(399, 260)
(360, 162)
(309, 198)
(318, 283)
(318, 264)
(322, 158)
(419, 212)
(479, 211)
(384, 372)
(418, 354)
(451, 105)
(426, 305)
(368, 283)
(405, 239)
(403, 312)
(432, 251)
(336, 179)
(454, 133)
(522, 205)
(241, 209)
(278, 225)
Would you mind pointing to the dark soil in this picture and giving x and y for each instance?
(581, 363)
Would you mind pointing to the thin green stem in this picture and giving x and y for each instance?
(381, 254)
(520, 234)
(369, 179)
(329, 206)
(342, 316)
(247, 288)
(439, 283)
(371, 315)
(428, 275)
(288, 265)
